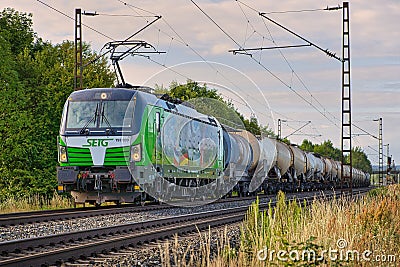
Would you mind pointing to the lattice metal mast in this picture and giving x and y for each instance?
(78, 77)
(279, 129)
(380, 176)
(346, 144)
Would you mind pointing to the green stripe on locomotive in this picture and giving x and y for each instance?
(115, 156)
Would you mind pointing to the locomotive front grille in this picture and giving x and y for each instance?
(79, 156)
(117, 156)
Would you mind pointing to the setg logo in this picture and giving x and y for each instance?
(96, 142)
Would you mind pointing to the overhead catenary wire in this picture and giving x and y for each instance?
(99, 32)
(263, 66)
(326, 51)
(301, 80)
(295, 11)
(68, 16)
(123, 15)
(230, 37)
(147, 57)
(286, 60)
(104, 35)
(181, 40)
(374, 136)
(377, 151)
(293, 71)
(254, 31)
(301, 133)
(138, 8)
(91, 28)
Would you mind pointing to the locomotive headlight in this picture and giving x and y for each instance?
(63, 154)
(136, 153)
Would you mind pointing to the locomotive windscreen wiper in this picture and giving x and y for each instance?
(93, 119)
(103, 117)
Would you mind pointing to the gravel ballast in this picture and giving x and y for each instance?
(8, 233)
(154, 255)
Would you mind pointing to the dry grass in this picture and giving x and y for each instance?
(371, 223)
(14, 204)
(213, 249)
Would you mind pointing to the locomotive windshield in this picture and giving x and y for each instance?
(81, 113)
(114, 114)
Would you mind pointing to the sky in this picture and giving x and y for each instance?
(295, 85)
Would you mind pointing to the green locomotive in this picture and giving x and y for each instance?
(115, 142)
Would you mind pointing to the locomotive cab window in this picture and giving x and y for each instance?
(100, 115)
(81, 113)
(114, 112)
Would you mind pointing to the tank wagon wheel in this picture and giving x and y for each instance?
(94, 203)
(75, 204)
(143, 199)
(228, 195)
(301, 187)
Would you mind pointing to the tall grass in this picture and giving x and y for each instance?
(35, 202)
(346, 227)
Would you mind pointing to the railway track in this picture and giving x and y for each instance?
(64, 214)
(18, 218)
(57, 249)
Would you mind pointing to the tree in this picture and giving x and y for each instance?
(307, 146)
(326, 149)
(201, 96)
(36, 79)
(16, 29)
(251, 125)
(192, 90)
(360, 160)
(266, 131)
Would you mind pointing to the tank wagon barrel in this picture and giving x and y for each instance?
(299, 161)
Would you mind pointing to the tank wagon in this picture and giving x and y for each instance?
(125, 145)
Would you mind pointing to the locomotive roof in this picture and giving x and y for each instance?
(127, 94)
(96, 94)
